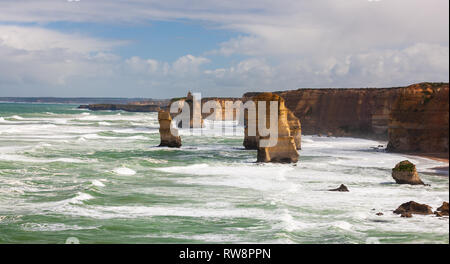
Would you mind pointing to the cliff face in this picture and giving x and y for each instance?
(233, 113)
(419, 119)
(342, 112)
(346, 112)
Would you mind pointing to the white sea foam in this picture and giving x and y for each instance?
(279, 197)
(80, 198)
(98, 183)
(124, 171)
(17, 117)
(53, 227)
(13, 157)
(156, 161)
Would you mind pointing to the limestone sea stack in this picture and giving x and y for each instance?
(285, 149)
(295, 129)
(405, 173)
(166, 129)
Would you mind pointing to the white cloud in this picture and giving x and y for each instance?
(139, 65)
(38, 39)
(282, 44)
(188, 64)
(40, 56)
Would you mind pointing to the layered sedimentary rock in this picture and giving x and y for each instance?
(416, 116)
(419, 119)
(168, 134)
(285, 150)
(295, 129)
(341, 112)
(405, 173)
(226, 113)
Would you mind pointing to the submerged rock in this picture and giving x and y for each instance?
(412, 207)
(443, 210)
(405, 173)
(166, 129)
(379, 214)
(341, 188)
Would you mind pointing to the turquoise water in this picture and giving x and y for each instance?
(99, 177)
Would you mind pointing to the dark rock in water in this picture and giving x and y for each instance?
(413, 208)
(405, 173)
(443, 210)
(407, 215)
(341, 188)
(379, 214)
(438, 214)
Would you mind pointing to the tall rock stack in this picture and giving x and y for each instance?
(419, 119)
(285, 150)
(251, 142)
(165, 131)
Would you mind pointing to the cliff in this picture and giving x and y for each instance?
(222, 101)
(418, 120)
(342, 112)
(353, 112)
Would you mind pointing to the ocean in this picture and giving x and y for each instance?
(99, 177)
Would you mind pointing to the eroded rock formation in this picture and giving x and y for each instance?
(442, 210)
(295, 129)
(341, 188)
(412, 207)
(419, 119)
(405, 173)
(285, 150)
(168, 139)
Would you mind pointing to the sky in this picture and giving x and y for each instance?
(162, 49)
